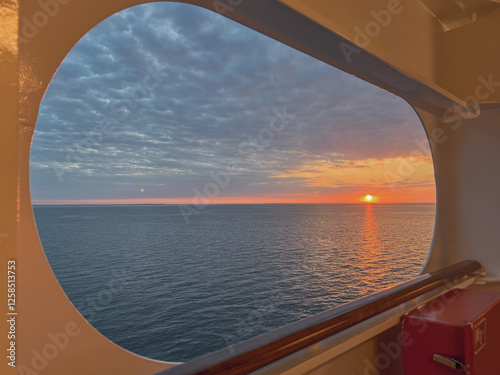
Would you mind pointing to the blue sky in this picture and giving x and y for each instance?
(158, 99)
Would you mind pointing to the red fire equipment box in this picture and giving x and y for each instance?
(458, 332)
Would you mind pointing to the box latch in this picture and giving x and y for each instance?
(450, 362)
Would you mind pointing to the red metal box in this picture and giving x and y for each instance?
(458, 332)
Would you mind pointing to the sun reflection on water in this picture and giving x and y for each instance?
(372, 252)
(371, 239)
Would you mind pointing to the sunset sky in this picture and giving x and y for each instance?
(170, 103)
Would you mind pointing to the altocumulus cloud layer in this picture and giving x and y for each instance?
(160, 96)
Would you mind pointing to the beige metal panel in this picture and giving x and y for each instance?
(382, 354)
(468, 53)
(8, 166)
(487, 286)
(466, 155)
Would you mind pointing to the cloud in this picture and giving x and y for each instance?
(161, 95)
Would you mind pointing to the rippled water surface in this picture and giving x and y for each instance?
(172, 290)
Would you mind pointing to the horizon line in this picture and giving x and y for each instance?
(218, 204)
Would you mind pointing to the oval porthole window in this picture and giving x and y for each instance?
(197, 186)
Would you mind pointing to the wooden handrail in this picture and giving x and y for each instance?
(257, 352)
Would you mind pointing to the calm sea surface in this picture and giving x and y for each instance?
(172, 290)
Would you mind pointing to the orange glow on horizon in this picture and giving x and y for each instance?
(406, 196)
(390, 180)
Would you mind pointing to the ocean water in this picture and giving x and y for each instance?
(171, 290)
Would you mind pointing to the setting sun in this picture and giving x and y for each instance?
(368, 198)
